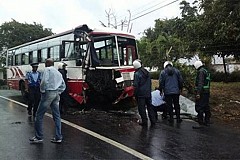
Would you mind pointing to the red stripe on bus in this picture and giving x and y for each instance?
(127, 70)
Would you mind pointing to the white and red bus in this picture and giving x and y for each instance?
(99, 62)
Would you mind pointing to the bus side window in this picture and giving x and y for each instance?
(10, 60)
(23, 58)
(44, 55)
(13, 60)
(30, 57)
(62, 55)
(26, 58)
(35, 56)
(55, 53)
(48, 52)
(16, 59)
(39, 55)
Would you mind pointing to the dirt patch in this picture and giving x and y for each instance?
(225, 103)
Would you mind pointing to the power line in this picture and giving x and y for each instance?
(122, 22)
(143, 6)
(154, 10)
(153, 6)
(150, 7)
(151, 11)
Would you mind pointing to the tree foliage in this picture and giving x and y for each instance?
(205, 28)
(171, 39)
(221, 23)
(14, 33)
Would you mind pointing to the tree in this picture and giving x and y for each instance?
(221, 21)
(221, 24)
(175, 38)
(14, 33)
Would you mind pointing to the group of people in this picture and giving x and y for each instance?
(165, 98)
(44, 91)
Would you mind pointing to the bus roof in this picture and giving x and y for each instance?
(95, 31)
(105, 30)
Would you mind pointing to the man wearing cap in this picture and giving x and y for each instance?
(202, 89)
(32, 81)
(171, 84)
(142, 92)
(64, 95)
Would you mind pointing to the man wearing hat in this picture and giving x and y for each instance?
(32, 81)
(64, 95)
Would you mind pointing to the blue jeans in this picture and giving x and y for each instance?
(49, 98)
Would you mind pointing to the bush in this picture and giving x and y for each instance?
(222, 77)
(189, 75)
(155, 75)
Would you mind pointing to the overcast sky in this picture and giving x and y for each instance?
(62, 15)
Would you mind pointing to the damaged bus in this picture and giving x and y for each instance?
(99, 62)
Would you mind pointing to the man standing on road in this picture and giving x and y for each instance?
(171, 83)
(32, 84)
(64, 95)
(142, 92)
(52, 85)
(202, 88)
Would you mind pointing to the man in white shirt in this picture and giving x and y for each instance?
(158, 103)
(52, 85)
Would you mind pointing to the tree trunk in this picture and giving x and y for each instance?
(225, 68)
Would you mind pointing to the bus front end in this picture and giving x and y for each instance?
(107, 64)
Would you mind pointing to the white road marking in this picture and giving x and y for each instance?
(96, 135)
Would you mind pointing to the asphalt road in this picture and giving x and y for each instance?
(110, 135)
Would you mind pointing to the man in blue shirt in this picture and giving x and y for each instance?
(52, 85)
(32, 83)
(171, 83)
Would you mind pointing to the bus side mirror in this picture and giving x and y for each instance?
(78, 62)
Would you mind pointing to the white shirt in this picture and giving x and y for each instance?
(157, 99)
(52, 80)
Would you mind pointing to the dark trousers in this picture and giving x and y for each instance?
(161, 108)
(33, 99)
(203, 109)
(142, 103)
(63, 103)
(173, 99)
